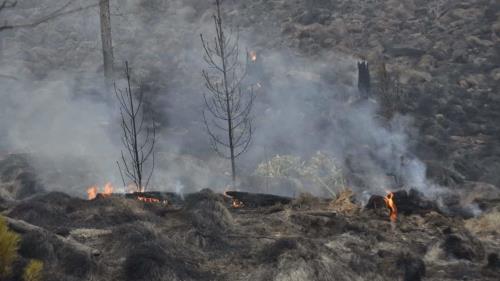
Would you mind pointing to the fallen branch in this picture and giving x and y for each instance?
(21, 227)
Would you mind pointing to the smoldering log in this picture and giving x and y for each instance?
(407, 203)
(170, 197)
(254, 200)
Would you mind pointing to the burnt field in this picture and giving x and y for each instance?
(209, 236)
(273, 140)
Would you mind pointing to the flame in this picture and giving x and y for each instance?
(92, 192)
(389, 201)
(108, 190)
(253, 55)
(235, 202)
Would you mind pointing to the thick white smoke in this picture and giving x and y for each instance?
(58, 111)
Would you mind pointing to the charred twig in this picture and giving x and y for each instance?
(138, 139)
(55, 14)
(229, 124)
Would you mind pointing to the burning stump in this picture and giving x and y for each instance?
(402, 202)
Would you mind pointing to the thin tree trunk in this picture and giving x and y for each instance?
(107, 42)
(226, 90)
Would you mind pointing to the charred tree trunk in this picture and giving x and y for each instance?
(364, 79)
(107, 42)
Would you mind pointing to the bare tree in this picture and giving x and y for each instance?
(138, 137)
(107, 42)
(229, 105)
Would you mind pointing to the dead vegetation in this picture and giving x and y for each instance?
(390, 94)
(207, 239)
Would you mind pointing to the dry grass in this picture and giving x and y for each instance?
(344, 203)
(33, 271)
(486, 223)
(9, 244)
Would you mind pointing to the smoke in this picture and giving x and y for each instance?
(59, 112)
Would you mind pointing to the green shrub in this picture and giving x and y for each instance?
(9, 244)
(33, 271)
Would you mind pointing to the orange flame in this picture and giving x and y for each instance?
(253, 55)
(235, 202)
(389, 201)
(94, 190)
(108, 190)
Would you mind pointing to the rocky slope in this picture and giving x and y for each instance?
(446, 54)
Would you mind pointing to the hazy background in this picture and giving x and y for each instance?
(54, 105)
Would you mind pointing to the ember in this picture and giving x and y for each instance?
(389, 201)
(150, 200)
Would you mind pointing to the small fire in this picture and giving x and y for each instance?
(253, 56)
(108, 190)
(389, 201)
(94, 190)
(235, 202)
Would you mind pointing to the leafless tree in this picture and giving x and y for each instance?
(62, 11)
(228, 105)
(138, 137)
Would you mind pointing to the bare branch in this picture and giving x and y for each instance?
(55, 14)
(138, 145)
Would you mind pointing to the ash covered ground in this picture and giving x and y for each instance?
(428, 128)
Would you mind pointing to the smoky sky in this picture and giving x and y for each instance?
(58, 110)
